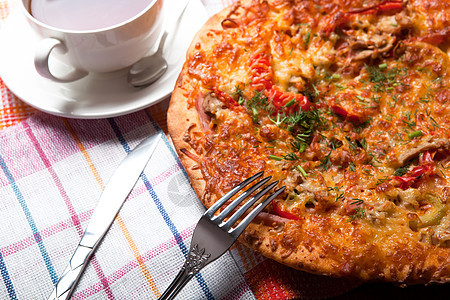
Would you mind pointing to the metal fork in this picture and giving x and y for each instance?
(213, 236)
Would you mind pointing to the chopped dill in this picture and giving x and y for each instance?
(434, 123)
(401, 171)
(359, 212)
(383, 77)
(306, 38)
(382, 180)
(352, 167)
(356, 201)
(258, 101)
(279, 120)
(298, 145)
(367, 172)
(291, 156)
(353, 145)
(325, 163)
(339, 193)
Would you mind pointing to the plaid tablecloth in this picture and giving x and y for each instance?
(52, 172)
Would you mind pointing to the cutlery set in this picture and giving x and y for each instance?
(212, 237)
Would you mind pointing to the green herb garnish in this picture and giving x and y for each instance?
(401, 171)
(291, 156)
(325, 163)
(306, 38)
(301, 170)
(383, 78)
(360, 212)
(274, 157)
(415, 134)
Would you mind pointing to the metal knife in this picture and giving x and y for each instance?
(111, 200)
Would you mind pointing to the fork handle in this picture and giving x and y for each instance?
(177, 284)
(195, 261)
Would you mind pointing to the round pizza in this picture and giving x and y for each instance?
(347, 104)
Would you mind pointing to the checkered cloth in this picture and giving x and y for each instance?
(52, 172)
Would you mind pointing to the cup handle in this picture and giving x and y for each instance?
(42, 56)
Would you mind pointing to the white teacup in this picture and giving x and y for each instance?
(95, 50)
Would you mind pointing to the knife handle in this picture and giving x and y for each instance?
(72, 274)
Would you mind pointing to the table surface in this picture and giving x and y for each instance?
(261, 278)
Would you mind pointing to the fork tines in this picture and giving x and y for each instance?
(213, 236)
(227, 225)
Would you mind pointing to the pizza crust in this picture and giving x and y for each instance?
(180, 121)
(182, 117)
(316, 244)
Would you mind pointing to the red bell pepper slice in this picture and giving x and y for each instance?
(339, 110)
(261, 71)
(278, 211)
(283, 100)
(405, 182)
(226, 99)
(384, 8)
(427, 157)
(412, 176)
(437, 38)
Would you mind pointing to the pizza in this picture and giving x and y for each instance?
(347, 104)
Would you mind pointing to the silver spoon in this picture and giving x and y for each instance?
(150, 68)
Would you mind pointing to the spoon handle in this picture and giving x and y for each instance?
(175, 25)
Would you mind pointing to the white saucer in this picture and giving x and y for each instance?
(98, 95)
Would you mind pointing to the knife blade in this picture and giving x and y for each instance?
(111, 200)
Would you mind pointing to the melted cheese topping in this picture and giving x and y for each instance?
(373, 148)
